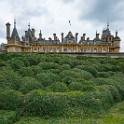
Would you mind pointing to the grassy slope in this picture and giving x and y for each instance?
(114, 116)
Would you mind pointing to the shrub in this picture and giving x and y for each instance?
(58, 87)
(10, 99)
(48, 65)
(8, 117)
(103, 74)
(75, 86)
(47, 78)
(89, 69)
(10, 79)
(46, 104)
(29, 84)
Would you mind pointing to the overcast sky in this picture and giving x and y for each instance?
(52, 16)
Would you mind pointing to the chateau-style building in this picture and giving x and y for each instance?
(69, 43)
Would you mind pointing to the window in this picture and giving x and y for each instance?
(81, 50)
(35, 50)
(65, 50)
(88, 50)
(95, 50)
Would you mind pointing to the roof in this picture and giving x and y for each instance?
(15, 35)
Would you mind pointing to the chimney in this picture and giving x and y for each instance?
(97, 36)
(62, 37)
(33, 32)
(26, 33)
(82, 38)
(84, 35)
(8, 30)
(40, 35)
(116, 34)
(76, 36)
(54, 35)
(88, 39)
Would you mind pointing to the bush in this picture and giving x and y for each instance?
(75, 86)
(10, 99)
(29, 84)
(48, 65)
(10, 79)
(89, 69)
(8, 117)
(46, 104)
(58, 87)
(103, 74)
(47, 78)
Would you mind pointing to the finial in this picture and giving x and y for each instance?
(40, 31)
(14, 23)
(108, 24)
(96, 31)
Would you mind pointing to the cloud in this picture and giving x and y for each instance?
(103, 10)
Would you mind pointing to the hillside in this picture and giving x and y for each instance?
(59, 86)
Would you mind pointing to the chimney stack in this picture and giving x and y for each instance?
(54, 35)
(40, 35)
(88, 39)
(76, 36)
(97, 36)
(62, 37)
(8, 30)
(33, 32)
(84, 35)
(116, 34)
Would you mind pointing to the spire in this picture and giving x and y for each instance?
(14, 23)
(29, 25)
(108, 25)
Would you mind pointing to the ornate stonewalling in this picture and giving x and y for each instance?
(69, 43)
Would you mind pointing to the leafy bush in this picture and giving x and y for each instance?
(29, 84)
(46, 104)
(76, 86)
(58, 87)
(10, 99)
(47, 78)
(8, 117)
(103, 74)
(9, 78)
(89, 69)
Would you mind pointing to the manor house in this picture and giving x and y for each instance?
(68, 44)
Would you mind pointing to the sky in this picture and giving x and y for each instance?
(52, 16)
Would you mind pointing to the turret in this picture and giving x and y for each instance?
(8, 30)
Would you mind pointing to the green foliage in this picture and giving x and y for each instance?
(58, 87)
(9, 78)
(48, 65)
(46, 104)
(29, 84)
(103, 74)
(76, 86)
(10, 99)
(8, 117)
(54, 85)
(89, 69)
(47, 78)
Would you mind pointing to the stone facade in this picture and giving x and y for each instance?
(69, 43)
